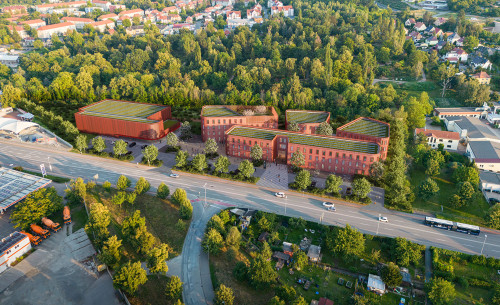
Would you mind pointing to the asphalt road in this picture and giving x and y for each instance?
(224, 193)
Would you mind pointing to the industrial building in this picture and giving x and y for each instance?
(216, 120)
(307, 120)
(11, 248)
(125, 119)
(325, 153)
(16, 185)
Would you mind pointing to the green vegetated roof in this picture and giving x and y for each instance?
(303, 116)
(306, 139)
(368, 127)
(218, 111)
(122, 110)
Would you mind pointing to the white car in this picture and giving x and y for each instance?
(328, 205)
(280, 194)
(174, 175)
(383, 219)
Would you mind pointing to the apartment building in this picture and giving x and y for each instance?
(58, 29)
(308, 121)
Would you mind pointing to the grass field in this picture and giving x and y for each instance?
(153, 292)
(433, 90)
(473, 213)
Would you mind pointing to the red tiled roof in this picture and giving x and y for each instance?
(130, 12)
(61, 4)
(107, 16)
(440, 134)
(55, 26)
(103, 22)
(481, 74)
(76, 19)
(32, 21)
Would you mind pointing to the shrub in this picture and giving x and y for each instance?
(163, 191)
(107, 185)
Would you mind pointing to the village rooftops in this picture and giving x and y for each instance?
(304, 116)
(368, 127)
(123, 110)
(439, 134)
(55, 26)
(305, 139)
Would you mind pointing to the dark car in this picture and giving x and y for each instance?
(128, 153)
(132, 144)
(348, 191)
(313, 184)
(144, 146)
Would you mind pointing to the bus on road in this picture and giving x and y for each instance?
(450, 225)
(469, 229)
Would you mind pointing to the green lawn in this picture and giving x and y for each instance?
(56, 179)
(169, 123)
(473, 213)
(153, 292)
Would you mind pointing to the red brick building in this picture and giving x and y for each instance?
(367, 129)
(217, 119)
(125, 119)
(326, 153)
(307, 120)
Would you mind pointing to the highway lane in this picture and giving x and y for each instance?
(227, 193)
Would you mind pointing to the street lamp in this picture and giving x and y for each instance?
(483, 243)
(286, 199)
(50, 165)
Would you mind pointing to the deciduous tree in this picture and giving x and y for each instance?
(173, 290)
(256, 153)
(212, 241)
(297, 159)
(99, 144)
(129, 277)
(222, 164)
(81, 143)
(157, 259)
(110, 254)
(142, 186)
(428, 188)
(361, 187)
(172, 139)
(246, 168)
(120, 148)
(324, 129)
(347, 242)
(150, 153)
(181, 158)
(441, 292)
(199, 162)
(163, 191)
(224, 296)
(36, 205)
(333, 183)
(303, 179)
(391, 275)
(123, 183)
(211, 147)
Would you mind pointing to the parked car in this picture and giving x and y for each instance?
(174, 175)
(348, 191)
(280, 195)
(331, 209)
(328, 204)
(383, 219)
(313, 184)
(144, 146)
(128, 153)
(132, 144)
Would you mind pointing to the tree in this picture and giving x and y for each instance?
(465, 190)
(391, 275)
(199, 162)
(142, 186)
(256, 152)
(361, 187)
(36, 205)
(233, 237)
(120, 148)
(129, 277)
(99, 144)
(246, 169)
(347, 242)
(119, 198)
(123, 183)
(127, 23)
(132, 223)
(181, 158)
(172, 139)
(163, 191)
(186, 209)
(293, 126)
(131, 197)
(406, 252)
(376, 171)
(441, 292)
(428, 188)
(276, 301)
(324, 129)
(298, 159)
(150, 153)
(77, 191)
(110, 254)
(299, 301)
(286, 293)
(173, 290)
(445, 73)
(224, 296)
(178, 196)
(221, 165)
(81, 143)
(211, 147)
(261, 271)
(157, 259)
(303, 179)
(99, 220)
(333, 183)
(493, 217)
(185, 130)
(466, 173)
(212, 241)
(300, 260)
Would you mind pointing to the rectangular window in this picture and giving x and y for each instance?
(310, 157)
(224, 121)
(213, 121)
(324, 153)
(357, 157)
(310, 151)
(330, 154)
(364, 158)
(291, 148)
(317, 151)
(304, 150)
(316, 158)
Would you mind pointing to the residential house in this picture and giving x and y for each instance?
(189, 19)
(171, 10)
(102, 25)
(14, 9)
(314, 253)
(470, 128)
(449, 139)
(281, 258)
(375, 284)
(286, 10)
(34, 24)
(271, 3)
(198, 16)
(103, 5)
(455, 55)
(244, 215)
(480, 62)
(78, 22)
(485, 51)
(108, 16)
(223, 2)
(287, 248)
(20, 30)
(440, 21)
(114, 7)
(131, 13)
(135, 30)
(436, 32)
(485, 154)
(482, 77)
(234, 23)
(440, 45)
(410, 22)
(429, 29)
(490, 185)
(432, 41)
(416, 36)
(254, 12)
(420, 27)
(58, 29)
(233, 15)
(453, 38)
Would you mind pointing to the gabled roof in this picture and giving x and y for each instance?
(55, 26)
(439, 134)
(481, 74)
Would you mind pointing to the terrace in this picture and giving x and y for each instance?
(122, 110)
(306, 139)
(304, 117)
(367, 127)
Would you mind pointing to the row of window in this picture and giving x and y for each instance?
(440, 140)
(330, 153)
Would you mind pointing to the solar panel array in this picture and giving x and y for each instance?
(302, 116)
(123, 110)
(218, 111)
(11, 241)
(15, 185)
(306, 139)
(368, 127)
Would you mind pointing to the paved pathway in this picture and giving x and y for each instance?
(275, 176)
(428, 264)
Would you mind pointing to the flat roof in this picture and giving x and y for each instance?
(475, 128)
(367, 126)
(458, 109)
(306, 139)
(7, 242)
(304, 116)
(15, 185)
(216, 111)
(123, 110)
(489, 177)
(485, 149)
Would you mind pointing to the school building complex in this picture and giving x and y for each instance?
(307, 121)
